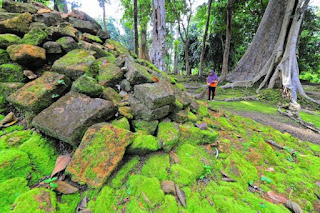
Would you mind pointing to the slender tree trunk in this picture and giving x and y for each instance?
(135, 21)
(104, 15)
(225, 64)
(175, 63)
(143, 50)
(61, 6)
(276, 55)
(205, 38)
(186, 56)
(158, 46)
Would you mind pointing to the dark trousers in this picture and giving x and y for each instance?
(211, 92)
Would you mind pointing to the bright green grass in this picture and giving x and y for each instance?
(315, 119)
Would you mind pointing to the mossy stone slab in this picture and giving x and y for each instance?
(28, 55)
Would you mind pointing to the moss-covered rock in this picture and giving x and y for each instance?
(27, 55)
(68, 203)
(146, 188)
(39, 94)
(143, 144)
(68, 43)
(168, 135)
(14, 139)
(122, 123)
(116, 47)
(180, 116)
(88, 86)
(157, 166)
(38, 200)
(111, 95)
(124, 172)
(194, 135)
(74, 64)
(7, 40)
(11, 73)
(99, 153)
(4, 57)
(105, 202)
(17, 25)
(34, 37)
(108, 73)
(145, 127)
(98, 49)
(8, 88)
(13, 163)
(90, 38)
(10, 190)
(137, 74)
(19, 7)
(126, 112)
(55, 33)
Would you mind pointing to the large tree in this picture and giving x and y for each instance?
(271, 55)
(158, 46)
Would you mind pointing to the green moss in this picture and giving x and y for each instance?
(122, 123)
(148, 64)
(249, 106)
(157, 166)
(225, 123)
(314, 119)
(4, 57)
(124, 172)
(34, 37)
(7, 88)
(193, 135)
(11, 73)
(88, 86)
(13, 163)
(37, 200)
(192, 117)
(143, 144)
(197, 203)
(13, 128)
(10, 190)
(105, 202)
(69, 203)
(135, 206)
(145, 127)
(181, 175)
(225, 204)
(111, 95)
(147, 190)
(14, 139)
(108, 74)
(42, 154)
(100, 63)
(169, 206)
(168, 135)
(7, 40)
(180, 86)
(119, 49)
(203, 112)
(92, 38)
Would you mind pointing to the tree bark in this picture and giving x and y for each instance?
(186, 55)
(104, 14)
(135, 21)
(225, 64)
(143, 50)
(158, 46)
(272, 53)
(205, 38)
(61, 6)
(175, 63)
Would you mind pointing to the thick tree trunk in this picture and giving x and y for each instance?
(135, 22)
(272, 53)
(175, 63)
(225, 64)
(143, 50)
(186, 58)
(204, 39)
(158, 46)
(61, 6)
(104, 15)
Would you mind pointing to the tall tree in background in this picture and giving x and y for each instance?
(102, 4)
(135, 23)
(275, 58)
(61, 6)
(180, 8)
(225, 65)
(158, 46)
(205, 38)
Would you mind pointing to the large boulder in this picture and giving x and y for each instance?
(52, 47)
(67, 43)
(136, 73)
(19, 7)
(71, 115)
(84, 26)
(27, 55)
(18, 25)
(62, 30)
(103, 35)
(154, 95)
(49, 19)
(40, 93)
(116, 47)
(5, 15)
(88, 86)
(143, 144)
(90, 38)
(99, 49)
(168, 135)
(109, 74)
(34, 37)
(99, 153)
(74, 64)
(8, 39)
(11, 73)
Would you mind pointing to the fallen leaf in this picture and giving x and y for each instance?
(294, 207)
(29, 74)
(65, 188)
(9, 120)
(270, 169)
(174, 157)
(202, 126)
(181, 195)
(276, 198)
(228, 179)
(61, 163)
(168, 187)
(155, 79)
(224, 173)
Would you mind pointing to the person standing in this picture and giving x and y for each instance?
(212, 82)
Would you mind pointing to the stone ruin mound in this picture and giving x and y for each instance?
(73, 83)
